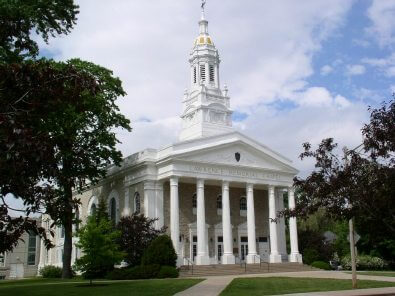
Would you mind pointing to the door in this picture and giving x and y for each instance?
(194, 248)
(243, 248)
(220, 248)
(16, 271)
(263, 248)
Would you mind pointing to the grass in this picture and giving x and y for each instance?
(284, 285)
(376, 273)
(50, 287)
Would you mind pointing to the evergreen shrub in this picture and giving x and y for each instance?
(51, 272)
(168, 272)
(161, 252)
(365, 262)
(321, 265)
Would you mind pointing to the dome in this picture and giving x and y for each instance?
(203, 40)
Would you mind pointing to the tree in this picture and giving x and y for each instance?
(160, 251)
(361, 187)
(97, 240)
(137, 232)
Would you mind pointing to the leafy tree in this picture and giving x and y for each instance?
(362, 187)
(19, 18)
(97, 240)
(160, 251)
(137, 232)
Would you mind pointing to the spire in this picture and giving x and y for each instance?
(203, 5)
(203, 24)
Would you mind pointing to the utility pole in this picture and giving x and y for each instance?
(352, 235)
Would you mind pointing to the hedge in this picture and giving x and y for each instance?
(51, 271)
(321, 265)
(365, 262)
(143, 272)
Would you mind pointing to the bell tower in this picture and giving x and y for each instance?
(206, 108)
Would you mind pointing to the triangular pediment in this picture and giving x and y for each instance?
(237, 150)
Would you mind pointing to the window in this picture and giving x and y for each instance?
(194, 74)
(203, 72)
(62, 231)
(31, 249)
(211, 73)
(243, 204)
(194, 201)
(77, 219)
(137, 207)
(219, 202)
(2, 259)
(113, 210)
(93, 209)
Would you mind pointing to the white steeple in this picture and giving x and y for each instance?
(206, 108)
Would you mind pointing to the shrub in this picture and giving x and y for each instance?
(51, 271)
(364, 262)
(135, 273)
(160, 251)
(321, 265)
(310, 255)
(168, 272)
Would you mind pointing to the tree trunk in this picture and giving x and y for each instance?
(68, 234)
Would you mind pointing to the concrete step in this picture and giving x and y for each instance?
(235, 269)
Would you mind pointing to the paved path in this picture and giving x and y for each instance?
(213, 285)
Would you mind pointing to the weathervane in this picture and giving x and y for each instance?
(203, 4)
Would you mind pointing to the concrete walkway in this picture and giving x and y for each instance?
(214, 285)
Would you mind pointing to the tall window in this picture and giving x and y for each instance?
(137, 203)
(243, 204)
(194, 201)
(194, 74)
(113, 210)
(219, 202)
(77, 219)
(211, 73)
(2, 259)
(93, 209)
(31, 249)
(203, 72)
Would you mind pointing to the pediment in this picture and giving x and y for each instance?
(239, 154)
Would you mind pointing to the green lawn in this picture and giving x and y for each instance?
(39, 287)
(376, 273)
(284, 285)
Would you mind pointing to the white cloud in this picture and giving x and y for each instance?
(382, 15)
(325, 70)
(385, 65)
(320, 97)
(352, 70)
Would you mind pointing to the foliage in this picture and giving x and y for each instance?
(135, 272)
(310, 255)
(348, 186)
(313, 246)
(19, 18)
(97, 241)
(321, 265)
(364, 262)
(168, 272)
(160, 251)
(137, 232)
(101, 211)
(51, 271)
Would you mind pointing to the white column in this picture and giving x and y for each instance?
(295, 256)
(126, 207)
(159, 205)
(202, 257)
(174, 214)
(149, 199)
(274, 257)
(252, 256)
(227, 257)
(281, 235)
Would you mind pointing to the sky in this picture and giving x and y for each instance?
(297, 71)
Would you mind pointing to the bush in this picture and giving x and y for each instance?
(168, 272)
(365, 262)
(321, 265)
(160, 251)
(135, 273)
(51, 271)
(310, 255)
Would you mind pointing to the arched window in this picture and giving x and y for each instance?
(77, 219)
(137, 203)
(93, 209)
(194, 201)
(113, 210)
(243, 204)
(219, 202)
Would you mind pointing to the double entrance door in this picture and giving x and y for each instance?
(243, 248)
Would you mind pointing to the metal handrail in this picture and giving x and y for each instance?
(189, 262)
(261, 261)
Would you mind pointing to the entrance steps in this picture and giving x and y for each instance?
(235, 269)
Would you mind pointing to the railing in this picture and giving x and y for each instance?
(189, 263)
(261, 261)
(245, 265)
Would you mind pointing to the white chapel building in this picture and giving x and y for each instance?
(216, 190)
